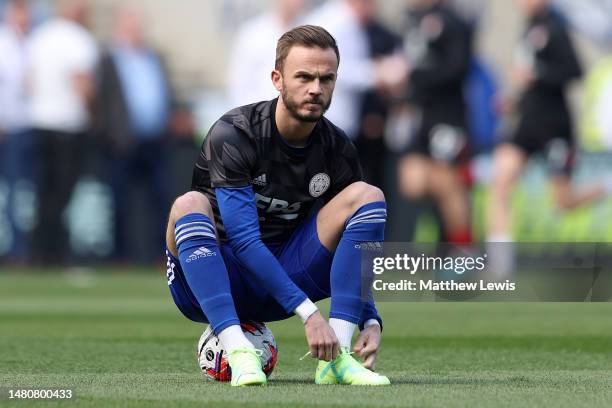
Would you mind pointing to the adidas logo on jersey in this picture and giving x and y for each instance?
(260, 180)
(201, 252)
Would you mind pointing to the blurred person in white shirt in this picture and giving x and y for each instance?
(62, 55)
(254, 51)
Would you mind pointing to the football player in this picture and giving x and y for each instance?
(546, 64)
(276, 219)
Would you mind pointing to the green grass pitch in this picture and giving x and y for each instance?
(118, 340)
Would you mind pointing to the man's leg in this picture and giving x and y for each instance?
(420, 177)
(191, 237)
(354, 216)
(568, 198)
(451, 195)
(508, 164)
(412, 176)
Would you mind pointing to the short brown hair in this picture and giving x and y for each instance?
(307, 36)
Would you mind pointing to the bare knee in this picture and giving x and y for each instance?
(412, 190)
(412, 175)
(443, 181)
(189, 203)
(360, 193)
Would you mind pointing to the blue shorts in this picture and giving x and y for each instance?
(304, 258)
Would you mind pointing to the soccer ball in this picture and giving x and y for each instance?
(212, 359)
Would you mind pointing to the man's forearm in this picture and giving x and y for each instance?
(269, 273)
(239, 215)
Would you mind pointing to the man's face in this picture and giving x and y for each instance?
(19, 17)
(307, 81)
(532, 7)
(422, 4)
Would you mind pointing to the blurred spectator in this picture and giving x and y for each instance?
(376, 102)
(439, 48)
(358, 72)
(133, 109)
(481, 94)
(183, 149)
(253, 53)
(16, 144)
(546, 63)
(61, 55)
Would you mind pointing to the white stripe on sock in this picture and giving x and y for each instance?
(194, 229)
(195, 234)
(380, 211)
(374, 221)
(377, 212)
(190, 224)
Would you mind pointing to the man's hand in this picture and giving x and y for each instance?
(367, 346)
(523, 76)
(321, 338)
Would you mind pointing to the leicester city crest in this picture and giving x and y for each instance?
(319, 184)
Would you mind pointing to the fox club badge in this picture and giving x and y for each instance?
(319, 184)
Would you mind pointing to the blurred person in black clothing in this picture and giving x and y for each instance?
(182, 148)
(376, 102)
(546, 63)
(133, 113)
(439, 48)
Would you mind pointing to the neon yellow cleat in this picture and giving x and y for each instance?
(246, 367)
(344, 369)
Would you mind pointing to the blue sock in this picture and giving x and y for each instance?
(205, 270)
(366, 225)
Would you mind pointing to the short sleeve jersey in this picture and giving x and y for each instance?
(245, 148)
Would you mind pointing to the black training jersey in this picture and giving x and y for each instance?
(439, 46)
(244, 147)
(547, 49)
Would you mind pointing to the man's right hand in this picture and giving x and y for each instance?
(321, 338)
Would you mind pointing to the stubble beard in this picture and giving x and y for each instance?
(293, 108)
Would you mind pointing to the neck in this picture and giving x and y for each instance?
(294, 131)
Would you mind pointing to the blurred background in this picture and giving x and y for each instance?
(104, 105)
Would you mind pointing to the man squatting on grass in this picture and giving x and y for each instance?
(283, 186)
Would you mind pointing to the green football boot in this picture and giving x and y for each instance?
(246, 367)
(344, 369)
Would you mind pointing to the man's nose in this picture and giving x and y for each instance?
(315, 87)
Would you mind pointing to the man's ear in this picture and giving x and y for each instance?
(277, 80)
